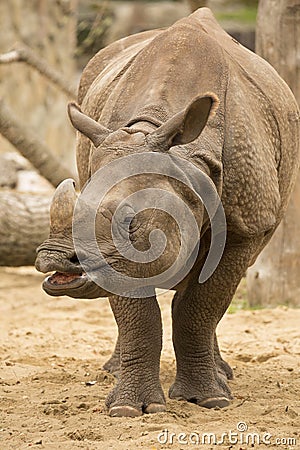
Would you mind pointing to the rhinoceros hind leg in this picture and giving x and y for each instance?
(113, 364)
(223, 367)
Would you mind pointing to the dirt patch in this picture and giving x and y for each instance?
(52, 388)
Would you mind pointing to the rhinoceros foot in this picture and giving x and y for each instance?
(125, 401)
(129, 411)
(208, 395)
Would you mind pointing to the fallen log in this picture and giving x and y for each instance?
(24, 225)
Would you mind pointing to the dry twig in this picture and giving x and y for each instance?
(22, 53)
(31, 147)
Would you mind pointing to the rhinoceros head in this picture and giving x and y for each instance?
(137, 240)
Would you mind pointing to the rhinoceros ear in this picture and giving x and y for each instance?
(185, 126)
(87, 126)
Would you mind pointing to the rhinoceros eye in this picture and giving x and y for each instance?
(130, 223)
(125, 218)
(128, 220)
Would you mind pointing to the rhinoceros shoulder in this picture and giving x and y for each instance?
(129, 45)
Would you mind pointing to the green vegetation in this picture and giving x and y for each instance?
(239, 301)
(242, 15)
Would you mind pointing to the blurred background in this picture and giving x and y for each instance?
(44, 45)
(67, 33)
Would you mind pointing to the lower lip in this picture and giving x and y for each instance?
(75, 283)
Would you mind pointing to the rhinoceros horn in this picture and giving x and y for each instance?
(62, 206)
(86, 125)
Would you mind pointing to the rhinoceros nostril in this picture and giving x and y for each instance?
(74, 259)
(50, 261)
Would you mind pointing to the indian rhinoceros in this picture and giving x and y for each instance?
(190, 93)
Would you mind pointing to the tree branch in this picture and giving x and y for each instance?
(22, 53)
(31, 147)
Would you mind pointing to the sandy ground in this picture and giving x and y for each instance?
(52, 388)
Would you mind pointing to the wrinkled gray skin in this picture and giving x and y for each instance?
(193, 91)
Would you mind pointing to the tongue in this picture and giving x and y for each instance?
(64, 278)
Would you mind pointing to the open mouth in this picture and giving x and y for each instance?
(63, 280)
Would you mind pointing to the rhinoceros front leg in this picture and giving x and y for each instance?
(138, 388)
(113, 364)
(196, 313)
